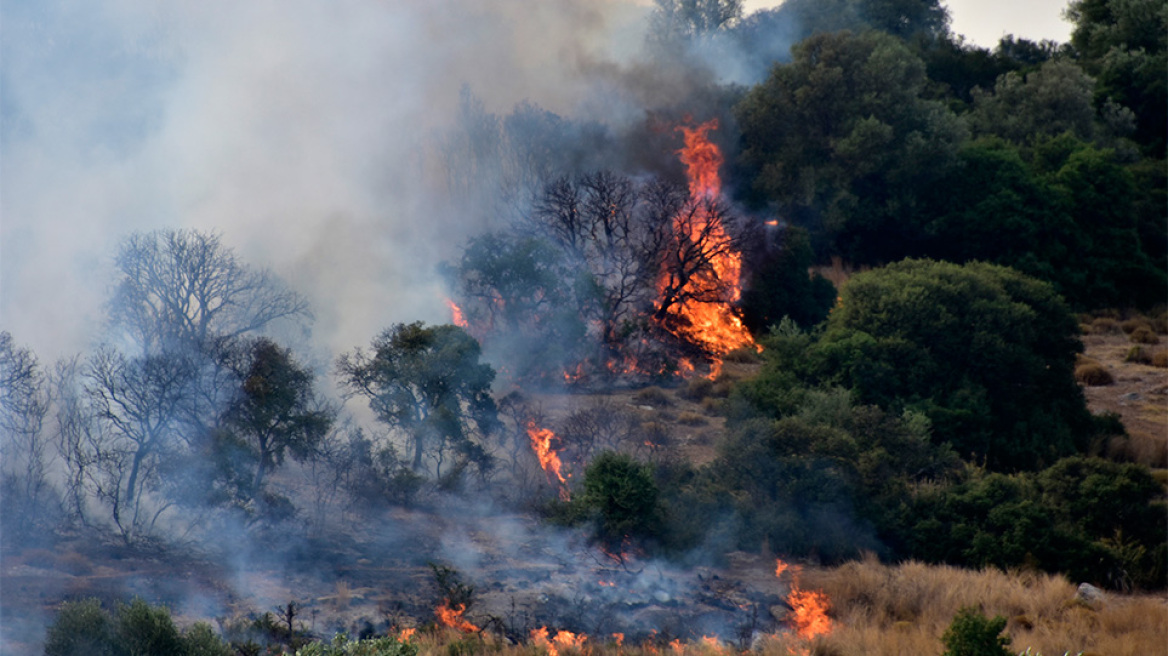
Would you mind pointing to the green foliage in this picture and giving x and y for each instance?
(1056, 98)
(843, 140)
(451, 588)
(973, 634)
(623, 497)
(81, 628)
(429, 382)
(84, 628)
(984, 351)
(275, 410)
(780, 286)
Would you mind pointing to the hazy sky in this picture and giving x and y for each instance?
(985, 21)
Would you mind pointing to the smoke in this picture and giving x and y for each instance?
(298, 130)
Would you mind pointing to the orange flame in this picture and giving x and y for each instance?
(405, 634)
(541, 443)
(452, 617)
(618, 638)
(713, 326)
(456, 315)
(676, 646)
(809, 612)
(808, 607)
(562, 639)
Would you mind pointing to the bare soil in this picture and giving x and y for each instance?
(1139, 396)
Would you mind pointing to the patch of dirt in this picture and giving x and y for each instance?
(1139, 395)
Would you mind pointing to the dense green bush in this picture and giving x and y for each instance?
(84, 628)
(985, 352)
(622, 497)
(973, 634)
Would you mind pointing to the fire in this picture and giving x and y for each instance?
(676, 646)
(562, 639)
(541, 443)
(808, 607)
(456, 315)
(405, 634)
(618, 638)
(452, 617)
(809, 612)
(713, 326)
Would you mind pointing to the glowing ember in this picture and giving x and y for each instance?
(456, 315)
(541, 443)
(452, 617)
(713, 326)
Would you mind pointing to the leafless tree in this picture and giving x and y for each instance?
(24, 403)
(183, 290)
(137, 405)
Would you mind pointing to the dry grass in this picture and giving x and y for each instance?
(883, 610)
(1160, 359)
(1144, 335)
(1093, 374)
(652, 396)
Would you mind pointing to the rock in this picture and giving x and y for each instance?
(1131, 396)
(662, 597)
(1090, 595)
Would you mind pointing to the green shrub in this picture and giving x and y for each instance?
(621, 494)
(145, 629)
(1093, 375)
(973, 634)
(201, 640)
(81, 628)
(343, 646)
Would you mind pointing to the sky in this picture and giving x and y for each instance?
(983, 22)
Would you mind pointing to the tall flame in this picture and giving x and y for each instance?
(541, 443)
(808, 607)
(562, 639)
(713, 326)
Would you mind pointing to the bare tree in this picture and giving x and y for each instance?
(183, 289)
(24, 403)
(137, 404)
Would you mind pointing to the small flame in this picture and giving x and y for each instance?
(405, 634)
(541, 443)
(452, 617)
(456, 315)
(618, 638)
(676, 646)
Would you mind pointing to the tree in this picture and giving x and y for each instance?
(985, 352)
(183, 290)
(275, 409)
(844, 142)
(429, 383)
(780, 285)
(678, 20)
(137, 404)
(1056, 98)
(1124, 45)
(24, 404)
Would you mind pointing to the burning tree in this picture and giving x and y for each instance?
(429, 383)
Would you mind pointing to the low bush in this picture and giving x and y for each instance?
(692, 419)
(1131, 325)
(1104, 326)
(1139, 355)
(973, 634)
(652, 396)
(1093, 375)
(1160, 359)
(744, 355)
(696, 389)
(1144, 335)
(85, 628)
